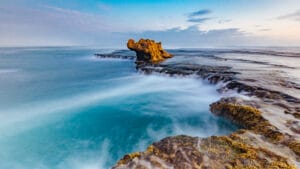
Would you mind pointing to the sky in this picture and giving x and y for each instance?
(177, 23)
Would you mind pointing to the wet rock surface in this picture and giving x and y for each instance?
(267, 107)
(115, 55)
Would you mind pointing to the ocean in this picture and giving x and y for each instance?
(61, 107)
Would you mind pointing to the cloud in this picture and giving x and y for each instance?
(53, 26)
(224, 21)
(198, 20)
(196, 17)
(265, 30)
(192, 37)
(200, 13)
(294, 16)
(52, 17)
(48, 25)
(104, 7)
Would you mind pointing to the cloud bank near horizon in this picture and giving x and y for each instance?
(190, 37)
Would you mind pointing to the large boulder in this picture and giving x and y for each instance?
(148, 50)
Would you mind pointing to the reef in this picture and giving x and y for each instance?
(266, 108)
(148, 51)
(114, 55)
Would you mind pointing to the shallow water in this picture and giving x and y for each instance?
(64, 108)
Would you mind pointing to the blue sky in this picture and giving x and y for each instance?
(178, 23)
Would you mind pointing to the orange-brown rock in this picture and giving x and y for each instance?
(215, 152)
(148, 50)
(248, 117)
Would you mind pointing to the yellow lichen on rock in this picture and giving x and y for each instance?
(232, 152)
(148, 50)
(216, 152)
(240, 149)
(295, 147)
(248, 117)
(129, 157)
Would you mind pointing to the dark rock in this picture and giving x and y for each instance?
(114, 56)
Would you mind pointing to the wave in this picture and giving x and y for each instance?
(129, 86)
(182, 101)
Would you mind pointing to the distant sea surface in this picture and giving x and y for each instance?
(61, 107)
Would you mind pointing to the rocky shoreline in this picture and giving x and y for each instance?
(269, 119)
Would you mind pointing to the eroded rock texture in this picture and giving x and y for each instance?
(268, 114)
(185, 152)
(148, 51)
(259, 146)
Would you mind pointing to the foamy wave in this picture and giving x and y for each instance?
(97, 159)
(134, 85)
(189, 96)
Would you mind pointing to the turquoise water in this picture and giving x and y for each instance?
(63, 108)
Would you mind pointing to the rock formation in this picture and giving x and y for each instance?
(216, 152)
(251, 147)
(148, 51)
(268, 115)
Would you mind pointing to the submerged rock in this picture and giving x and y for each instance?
(148, 50)
(115, 55)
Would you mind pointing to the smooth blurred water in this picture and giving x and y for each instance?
(63, 108)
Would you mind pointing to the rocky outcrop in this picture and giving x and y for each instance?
(248, 117)
(256, 146)
(216, 152)
(270, 127)
(148, 51)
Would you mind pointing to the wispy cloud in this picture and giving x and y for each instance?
(48, 25)
(200, 13)
(224, 21)
(197, 16)
(193, 37)
(104, 7)
(198, 20)
(294, 16)
(41, 23)
(265, 30)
